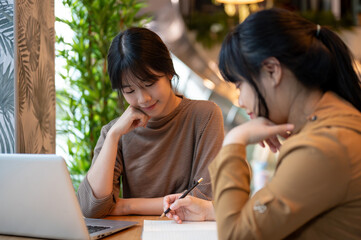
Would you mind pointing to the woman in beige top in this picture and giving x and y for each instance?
(161, 144)
(294, 78)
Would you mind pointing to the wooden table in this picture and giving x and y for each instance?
(132, 233)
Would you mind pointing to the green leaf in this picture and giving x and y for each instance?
(87, 102)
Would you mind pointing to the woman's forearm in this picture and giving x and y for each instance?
(101, 174)
(138, 206)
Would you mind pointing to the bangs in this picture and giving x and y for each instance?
(232, 64)
(235, 68)
(139, 74)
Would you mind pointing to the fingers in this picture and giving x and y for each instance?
(184, 202)
(286, 134)
(259, 130)
(172, 214)
(169, 199)
(272, 147)
(140, 119)
(144, 120)
(166, 202)
(280, 129)
(169, 215)
(177, 219)
(273, 143)
(131, 119)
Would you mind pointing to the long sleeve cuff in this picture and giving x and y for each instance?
(90, 205)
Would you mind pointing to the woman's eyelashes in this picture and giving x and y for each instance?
(128, 90)
(149, 84)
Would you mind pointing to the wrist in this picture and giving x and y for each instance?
(139, 206)
(210, 215)
(114, 134)
(121, 207)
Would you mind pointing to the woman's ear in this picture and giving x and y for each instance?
(273, 70)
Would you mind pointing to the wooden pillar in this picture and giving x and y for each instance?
(34, 75)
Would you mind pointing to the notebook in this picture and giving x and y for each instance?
(170, 230)
(37, 199)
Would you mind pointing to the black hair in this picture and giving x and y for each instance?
(316, 56)
(138, 53)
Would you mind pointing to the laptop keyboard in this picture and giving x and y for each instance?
(93, 229)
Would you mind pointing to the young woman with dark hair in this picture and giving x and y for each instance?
(161, 144)
(295, 78)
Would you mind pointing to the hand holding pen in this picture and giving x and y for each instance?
(188, 208)
(183, 196)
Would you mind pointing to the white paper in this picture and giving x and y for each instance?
(170, 230)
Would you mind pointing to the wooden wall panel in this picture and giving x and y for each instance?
(35, 76)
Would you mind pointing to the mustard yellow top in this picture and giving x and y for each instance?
(315, 192)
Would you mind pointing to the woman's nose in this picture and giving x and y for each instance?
(144, 96)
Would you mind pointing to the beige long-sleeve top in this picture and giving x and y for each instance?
(315, 192)
(165, 157)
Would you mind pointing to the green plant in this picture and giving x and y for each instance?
(326, 18)
(210, 29)
(320, 15)
(88, 102)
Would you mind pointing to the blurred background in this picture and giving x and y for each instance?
(193, 31)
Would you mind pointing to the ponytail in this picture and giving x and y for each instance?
(315, 55)
(342, 76)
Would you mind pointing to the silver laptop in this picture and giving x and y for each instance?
(37, 199)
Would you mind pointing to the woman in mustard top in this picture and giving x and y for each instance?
(295, 78)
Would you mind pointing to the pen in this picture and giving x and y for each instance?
(183, 196)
